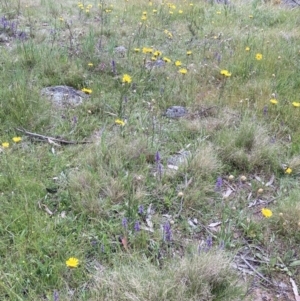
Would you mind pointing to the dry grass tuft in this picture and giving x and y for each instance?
(203, 277)
(205, 164)
(287, 217)
(249, 147)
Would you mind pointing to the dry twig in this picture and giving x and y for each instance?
(50, 140)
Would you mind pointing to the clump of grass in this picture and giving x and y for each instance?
(194, 277)
(249, 147)
(205, 163)
(286, 221)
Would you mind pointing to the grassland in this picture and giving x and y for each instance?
(199, 207)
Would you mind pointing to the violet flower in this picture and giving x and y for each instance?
(219, 184)
(141, 209)
(137, 227)
(167, 232)
(124, 222)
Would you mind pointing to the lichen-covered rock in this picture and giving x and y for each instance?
(64, 95)
(179, 158)
(154, 64)
(175, 112)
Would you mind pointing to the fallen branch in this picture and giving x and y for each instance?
(255, 271)
(50, 140)
(295, 290)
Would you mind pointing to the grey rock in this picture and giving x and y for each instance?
(120, 49)
(64, 95)
(179, 158)
(3, 37)
(155, 64)
(175, 112)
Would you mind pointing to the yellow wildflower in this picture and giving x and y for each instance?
(137, 49)
(180, 11)
(166, 59)
(144, 18)
(154, 11)
(266, 212)
(72, 262)
(182, 71)
(16, 139)
(157, 53)
(258, 56)
(126, 79)
(226, 73)
(274, 101)
(5, 145)
(86, 90)
(288, 170)
(296, 104)
(177, 63)
(119, 122)
(147, 50)
(218, 13)
(90, 64)
(247, 48)
(189, 52)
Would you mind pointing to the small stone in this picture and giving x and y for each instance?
(243, 178)
(231, 178)
(120, 49)
(175, 112)
(180, 194)
(260, 191)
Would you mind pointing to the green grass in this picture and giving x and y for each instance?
(84, 200)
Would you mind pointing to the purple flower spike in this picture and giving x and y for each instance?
(55, 296)
(113, 66)
(157, 157)
(137, 227)
(124, 222)
(209, 243)
(141, 209)
(219, 184)
(167, 232)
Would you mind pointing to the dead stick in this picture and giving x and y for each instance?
(255, 271)
(47, 138)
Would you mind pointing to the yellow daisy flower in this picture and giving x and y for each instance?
(119, 122)
(72, 262)
(182, 71)
(274, 101)
(258, 56)
(266, 212)
(16, 139)
(5, 145)
(126, 79)
(178, 64)
(288, 170)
